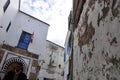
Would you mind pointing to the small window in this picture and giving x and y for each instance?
(6, 5)
(24, 40)
(64, 57)
(8, 27)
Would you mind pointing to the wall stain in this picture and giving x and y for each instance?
(84, 58)
(105, 11)
(103, 67)
(88, 79)
(107, 33)
(114, 61)
(113, 4)
(107, 76)
(87, 36)
(93, 47)
(107, 2)
(92, 4)
(114, 40)
(113, 78)
(90, 55)
(115, 11)
(99, 19)
(100, 1)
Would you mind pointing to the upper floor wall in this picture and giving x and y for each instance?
(27, 33)
(8, 11)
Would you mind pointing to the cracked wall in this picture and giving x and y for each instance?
(96, 44)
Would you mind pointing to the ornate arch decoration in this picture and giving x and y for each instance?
(13, 60)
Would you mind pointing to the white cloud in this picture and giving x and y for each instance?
(54, 12)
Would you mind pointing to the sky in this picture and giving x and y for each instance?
(53, 12)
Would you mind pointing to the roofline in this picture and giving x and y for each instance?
(19, 5)
(34, 17)
(55, 44)
(30, 15)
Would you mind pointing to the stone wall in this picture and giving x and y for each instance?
(96, 44)
(20, 51)
(1, 54)
(33, 76)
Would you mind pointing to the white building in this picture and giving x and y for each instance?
(52, 64)
(22, 39)
(68, 49)
(8, 11)
(66, 57)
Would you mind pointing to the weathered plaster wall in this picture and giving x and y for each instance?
(96, 45)
(52, 63)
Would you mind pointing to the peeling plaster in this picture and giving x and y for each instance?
(97, 39)
(87, 36)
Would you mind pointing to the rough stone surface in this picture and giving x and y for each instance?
(1, 55)
(96, 44)
(20, 51)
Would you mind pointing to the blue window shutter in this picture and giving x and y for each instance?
(68, 47)
(64, 57)
(24, 40)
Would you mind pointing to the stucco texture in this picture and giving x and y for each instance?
(96, 44)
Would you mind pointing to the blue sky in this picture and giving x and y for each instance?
(54, 12)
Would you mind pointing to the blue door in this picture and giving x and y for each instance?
(24, 40)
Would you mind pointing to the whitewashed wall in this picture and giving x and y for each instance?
(58, 58)
(96, 46)
(28, 24)
(8, 16)
(66, 63)
(66, 69)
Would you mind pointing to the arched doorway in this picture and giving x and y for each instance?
(10, 64)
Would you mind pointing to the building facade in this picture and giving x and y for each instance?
(68, 49)
(96, 49)
(52, 64)
(22, 39)
(8, 11)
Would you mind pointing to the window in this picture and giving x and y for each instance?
(8, 27)
(64, 57)
(69, 45)
(24, 40)
(6, 5)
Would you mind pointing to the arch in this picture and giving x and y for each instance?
(14, 60)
